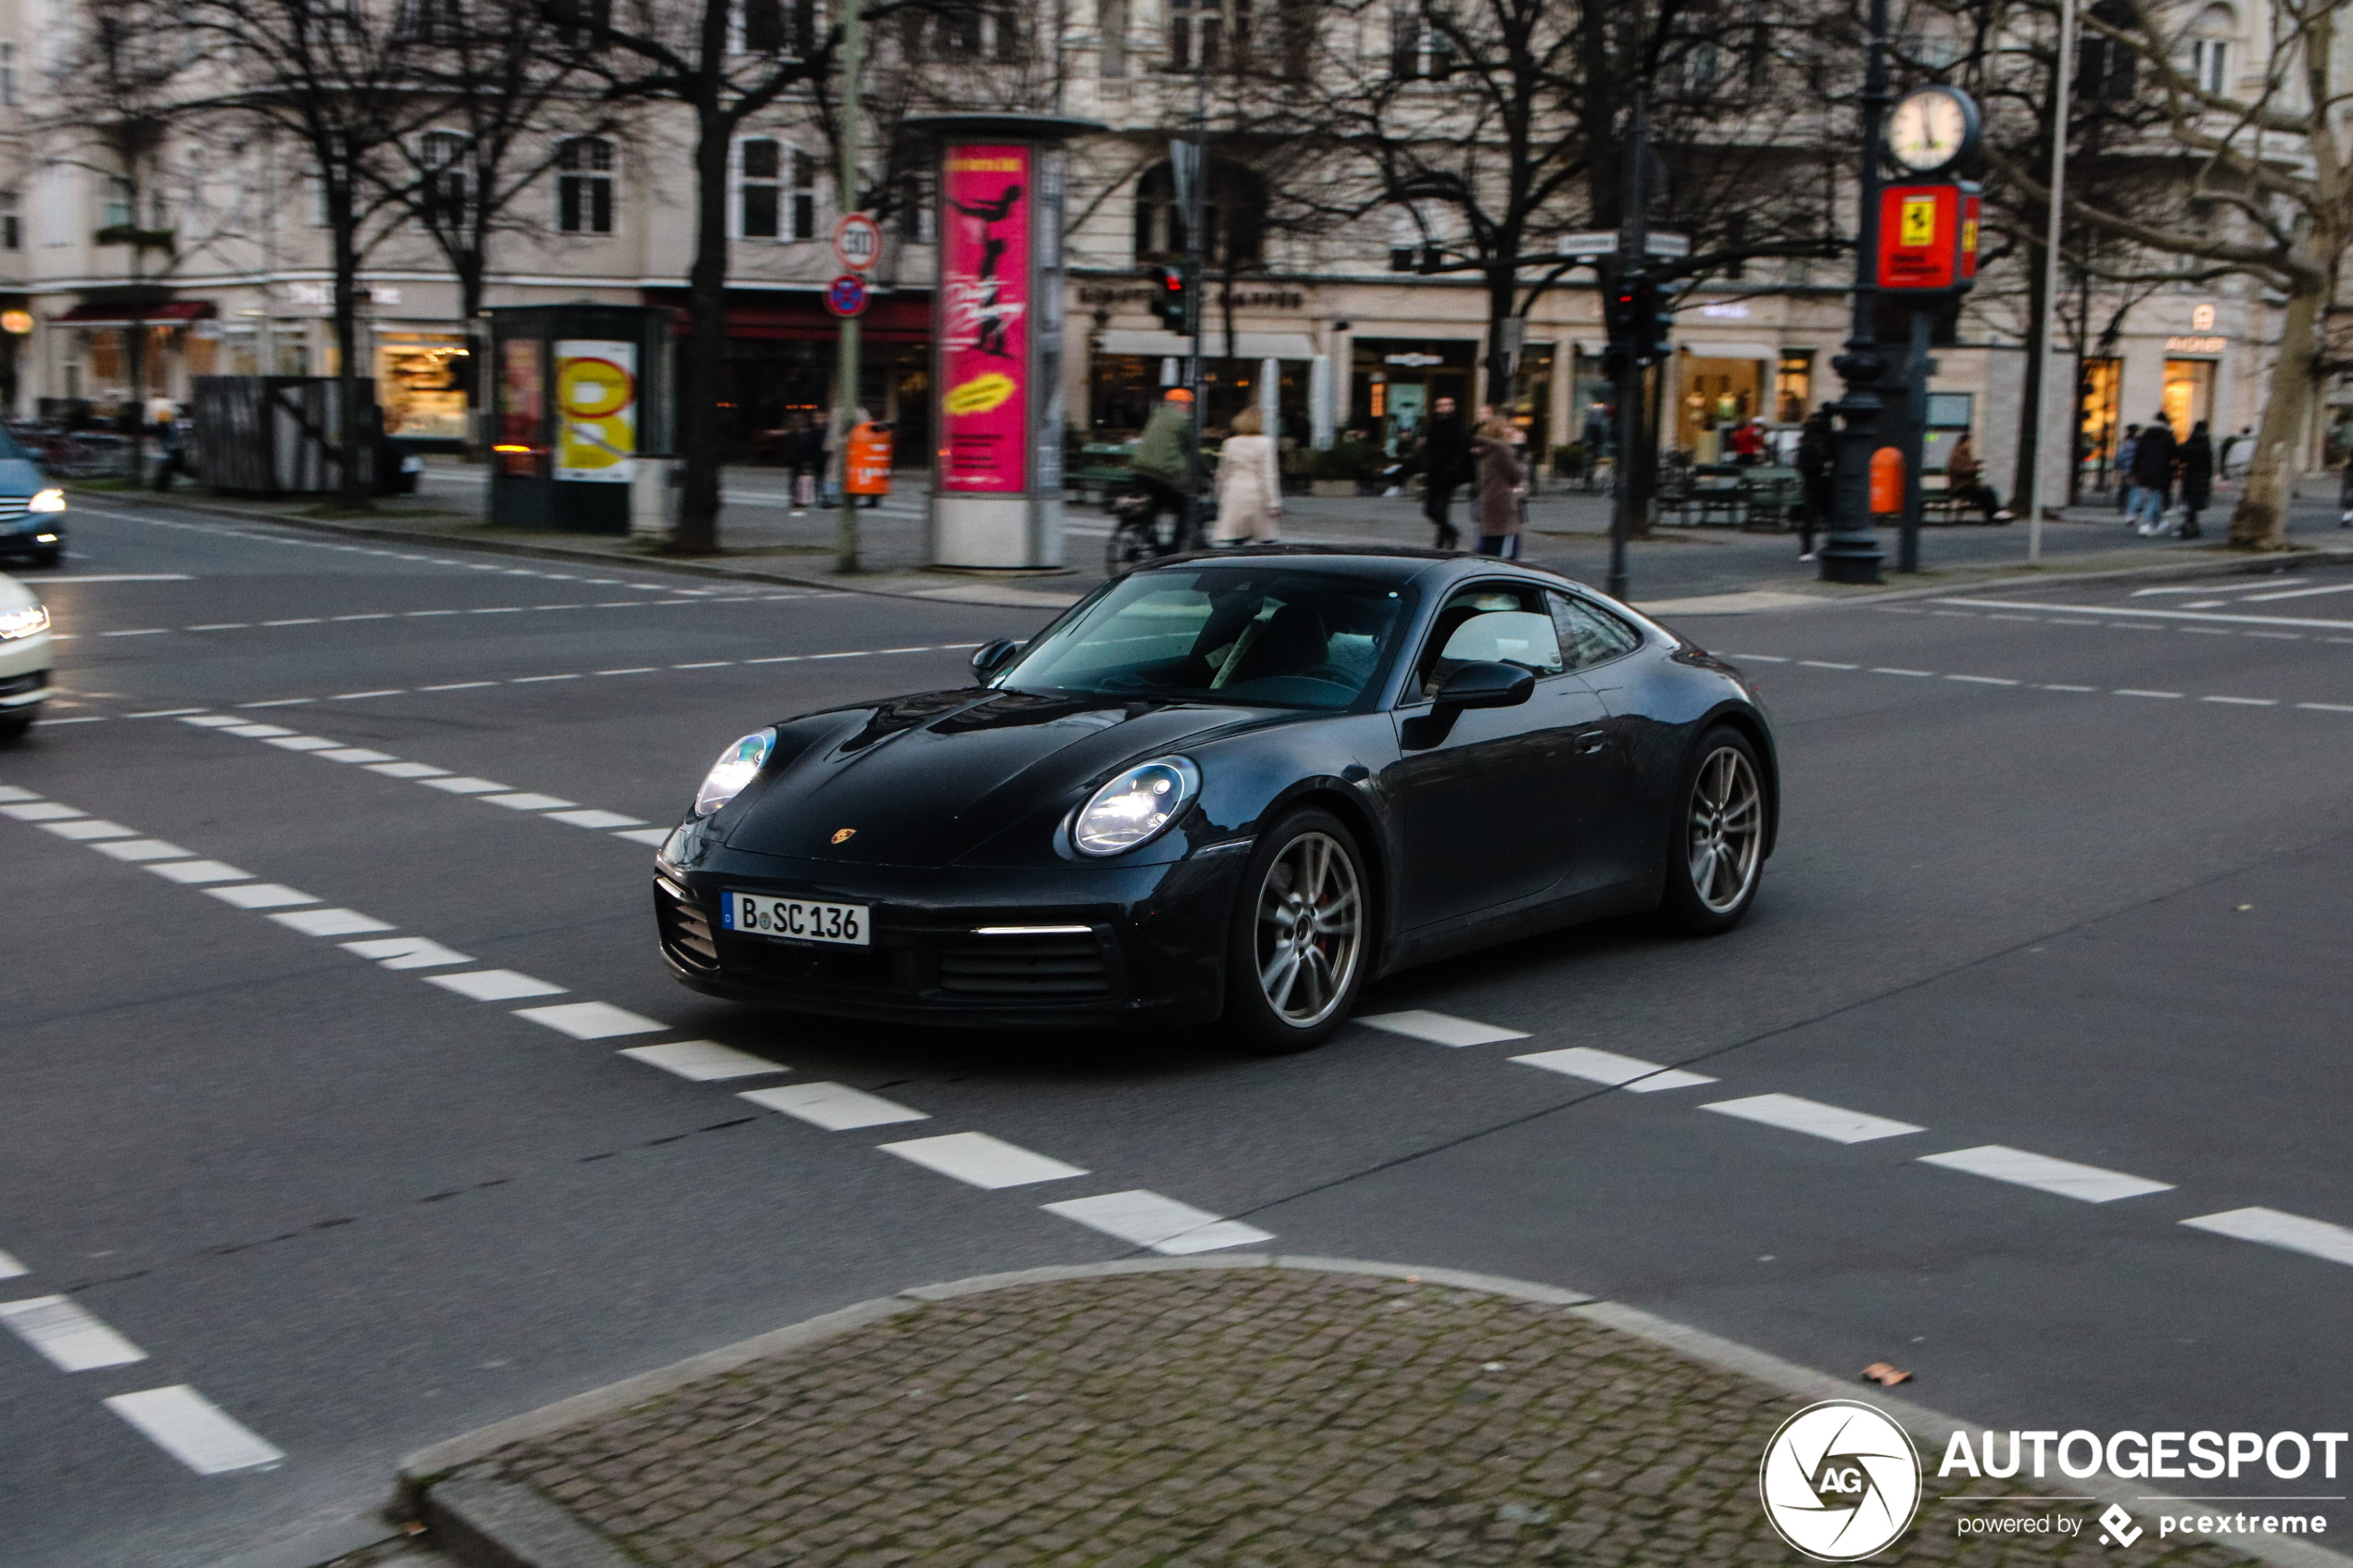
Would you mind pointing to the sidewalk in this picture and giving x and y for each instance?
(1313, 1414)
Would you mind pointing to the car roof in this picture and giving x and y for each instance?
(1391, 563)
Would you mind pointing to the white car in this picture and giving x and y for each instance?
(24, 658)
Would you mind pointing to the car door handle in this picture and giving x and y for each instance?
(1592, 741)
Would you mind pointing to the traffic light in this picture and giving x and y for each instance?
(1636, 313)
(1173, 299)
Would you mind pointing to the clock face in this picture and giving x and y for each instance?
(1927, 130)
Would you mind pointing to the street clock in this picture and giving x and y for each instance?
(1932, 129)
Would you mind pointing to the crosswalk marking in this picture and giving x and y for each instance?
(330, 923)
(1811, 1116)
(703, 1061)
(1607, 1067)
(193, 1430)
(982, 1161)
(1440, 1028)
(2088, 1183)
(261, 896)
(1161, 1223)
(62, 1330)
(591, 1021)
(406, 952)
(495, 984)
(191, 872)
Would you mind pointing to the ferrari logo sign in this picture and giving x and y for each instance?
(844, 835)
(1918, 228)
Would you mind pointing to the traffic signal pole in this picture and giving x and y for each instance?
(846, 367)
(1634, 239)
(1851, 553)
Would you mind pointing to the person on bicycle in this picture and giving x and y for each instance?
(1167, 463)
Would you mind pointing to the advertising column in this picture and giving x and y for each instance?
(996, 481)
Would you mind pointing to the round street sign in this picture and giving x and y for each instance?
(857, 241)
(847, 295)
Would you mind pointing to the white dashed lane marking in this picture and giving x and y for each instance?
(1440, 1029)
(2145, 614)
(1618, 1072)
(2064, 1177)
(591, 1021)
(66, 1333)
(195, 1431)
(836, 1108)
(977, 1159)
(1812, 1117)
(2315, 1238)
(495, 985)
(703, 1061)
(2223, 699)
(1162, 1224)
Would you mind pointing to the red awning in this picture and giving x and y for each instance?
(897, 318)
(170, 313)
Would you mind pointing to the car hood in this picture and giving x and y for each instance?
(932, 779)
(18, 477)
(15, 594)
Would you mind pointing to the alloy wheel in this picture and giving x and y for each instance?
(1311, 923)
(1726, 829)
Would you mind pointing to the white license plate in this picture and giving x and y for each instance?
(795, 919)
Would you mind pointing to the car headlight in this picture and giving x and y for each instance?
(737, 767)
(23, 621)
(50, 500)
(1136, 806)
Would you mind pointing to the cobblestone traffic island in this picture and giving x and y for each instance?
(1240, 1418)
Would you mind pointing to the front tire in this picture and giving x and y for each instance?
(16, 726)
(1301, 936)
(1716, 846)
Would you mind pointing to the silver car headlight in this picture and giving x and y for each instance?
(1135, 807)
(50, 500)
(737, 767)
(23, 621)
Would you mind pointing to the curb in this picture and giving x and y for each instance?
(683, 566)
(484, 1522)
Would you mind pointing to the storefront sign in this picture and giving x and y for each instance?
(2196, 344)
(2202, 319)
(984, 344)
(1414, 361)
(522, 394)
(596, 410)
(1919, 237)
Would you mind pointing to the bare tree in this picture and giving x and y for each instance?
(725, 62)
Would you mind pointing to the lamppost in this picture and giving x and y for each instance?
(1851, 554)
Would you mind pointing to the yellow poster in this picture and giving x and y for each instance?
(596, 410)
(1918, 228)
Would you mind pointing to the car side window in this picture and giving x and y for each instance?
(1590, 636)
(1495, 622)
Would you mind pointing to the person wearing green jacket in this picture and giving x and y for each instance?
(1167, 462)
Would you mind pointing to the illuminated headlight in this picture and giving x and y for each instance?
(51, 500)
(23, 621)
(737, 767)
(1136, 806)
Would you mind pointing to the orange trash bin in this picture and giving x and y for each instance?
(869, 460)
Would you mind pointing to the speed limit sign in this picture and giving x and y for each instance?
(857, 241)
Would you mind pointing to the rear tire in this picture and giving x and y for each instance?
(18, 725)
(1716, 841)
(1301, 936)
(48, 560)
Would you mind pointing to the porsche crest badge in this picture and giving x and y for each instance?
(842, 834)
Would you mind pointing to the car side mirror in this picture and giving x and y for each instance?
(1486, 683)
(991, 656)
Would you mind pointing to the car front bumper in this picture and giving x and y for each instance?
(24, 533)
(1142, 945)
(24, 671)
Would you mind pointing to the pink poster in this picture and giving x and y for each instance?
(984, 314)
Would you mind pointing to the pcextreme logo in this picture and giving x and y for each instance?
(1840, 1481)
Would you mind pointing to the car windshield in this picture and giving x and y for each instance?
(1261, 636)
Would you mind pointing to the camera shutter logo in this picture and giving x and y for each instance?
(1840, 1481)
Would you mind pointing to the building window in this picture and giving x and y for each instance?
(1234, 216)
(779, 27)
(1793, 386)
(804, 196)
(11, 222)
(584, 187)
(580, 23)
(1420, 49)
(121, 203)
(1206, 35)
(8, 74)
(761, 202)
(442, 179)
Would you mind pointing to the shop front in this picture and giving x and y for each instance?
(1129, 371)
(1722, 385)
(1395, 382)
(421, 385)
(2190, 364)
(169, 351)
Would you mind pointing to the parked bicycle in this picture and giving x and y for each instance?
(1141, 530)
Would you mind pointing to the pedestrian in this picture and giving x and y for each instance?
(2197, 479)
(1748, 442)
(173, 441)
(1503, 480)
(1167, 463)
(1249, 484)
(2152, 477)
(805, 457)
(1596, 434)
(1816, 476)
(1965, 481)
(1446, 465)
(2124, 450)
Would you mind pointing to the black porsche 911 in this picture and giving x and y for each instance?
(1231, 786)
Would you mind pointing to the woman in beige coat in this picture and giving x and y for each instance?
(1503, 480)
(1249, 484)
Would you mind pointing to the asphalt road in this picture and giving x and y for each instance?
(2061, 874)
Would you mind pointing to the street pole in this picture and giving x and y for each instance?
(1851, 553)
(1196, 260)
(846, 367)
(1907, 548)
(1634, 239)
(2033, 486)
